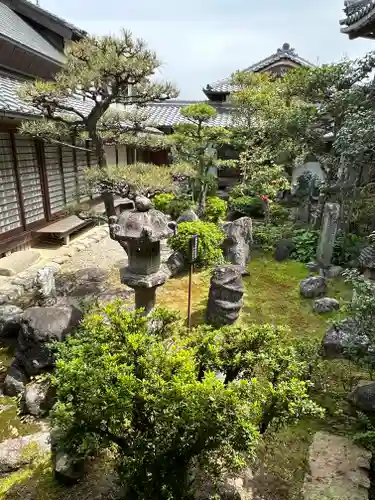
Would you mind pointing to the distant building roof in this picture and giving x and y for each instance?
(46, 13)
(165, 114)
(13, 27)
(359, 14)
(284, 53)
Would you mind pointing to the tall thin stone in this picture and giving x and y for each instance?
(331, 216)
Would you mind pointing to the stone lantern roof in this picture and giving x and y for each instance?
(142, 224)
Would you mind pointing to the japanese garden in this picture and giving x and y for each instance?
(216, 342)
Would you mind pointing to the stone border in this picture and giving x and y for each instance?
(24, 282)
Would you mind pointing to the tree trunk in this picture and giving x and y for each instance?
(102, 163)
(202, 200)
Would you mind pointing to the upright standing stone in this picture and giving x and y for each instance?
(46, 286)
(140, 232)
(328, 233)
(225, 297)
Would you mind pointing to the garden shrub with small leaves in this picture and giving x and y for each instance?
(162, 201)
(178, 206)
(249, 206)
(267, 236)
(210, 238)
(215, 210)
(347, 248)
(305, 241)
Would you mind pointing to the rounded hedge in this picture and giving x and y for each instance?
(162, 201)
(210, 239)
(250, 206)
(216, 209)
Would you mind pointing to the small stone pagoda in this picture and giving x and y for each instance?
(140, 232)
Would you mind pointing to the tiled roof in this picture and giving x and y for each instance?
(285, 52)
(358, 13)
(13, 27)
(55, 18)
(167, 114)
(11, 103)
(164, 114)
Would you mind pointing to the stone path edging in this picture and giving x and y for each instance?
(24, 282)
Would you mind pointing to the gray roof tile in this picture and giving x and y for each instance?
(285, 52)
(15, 28)
(165, 114)
(358, 13)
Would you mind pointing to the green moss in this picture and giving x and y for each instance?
(11, 425)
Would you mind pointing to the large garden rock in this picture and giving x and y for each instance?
(284, 249)
(332, 272)
(38, 399)
(363, 397)
(237, 242)
(338, 336)
(326, 305)
(10, 321)
(15, 380)
(66, 469)
(45, 283)
(312, 287)
(188, 216)
(41, 326)
(225, 298)
(176, 263)
(17, 453)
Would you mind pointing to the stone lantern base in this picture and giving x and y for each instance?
(144, 286)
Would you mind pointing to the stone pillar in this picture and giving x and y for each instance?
(331, 216)
(145, 299)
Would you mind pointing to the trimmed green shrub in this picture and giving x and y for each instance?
(249, 206)
(179, 206)
(305, 241)
(210, 239)
(216, 209)
(162, 201)
(278, 213)
(267, 236)
(347, 248)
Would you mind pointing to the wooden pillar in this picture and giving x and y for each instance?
(18, 181)
(61, 164)
(76, 168)
(41, 158)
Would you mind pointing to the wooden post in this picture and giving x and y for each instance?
(18, 181)
(193, 254)
(191, 266)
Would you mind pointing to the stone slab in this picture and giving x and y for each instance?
(18, 262)
(339, 470)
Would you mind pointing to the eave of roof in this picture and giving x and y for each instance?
(225, 86)
(46, 13)
(358, 14)
(163, 114)
(14, 29)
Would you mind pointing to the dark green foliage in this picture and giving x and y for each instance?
(121, 386)
(162, 201)
(240, 190)
(306, 241)
(249, 206)
(215, 210)
(278, 214)
(210, 240)
(267, 236)
(347, 248)
(179, 206)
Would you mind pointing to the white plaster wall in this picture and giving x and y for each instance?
(310, 166)
(110, 152)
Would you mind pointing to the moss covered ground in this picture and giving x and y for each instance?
(272, 295)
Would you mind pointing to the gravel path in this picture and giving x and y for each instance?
(105, 255)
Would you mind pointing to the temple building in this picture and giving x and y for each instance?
(359, 21)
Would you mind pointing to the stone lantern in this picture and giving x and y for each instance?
(140, 232)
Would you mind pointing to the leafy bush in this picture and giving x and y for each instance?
(267, 236)
(305, 241)
(347, 248)
(250, 206)
(360, 347)
(240, 190)
(122, 387)
(162, 201)
(278, 214)
(215, 210)
(178, 206)
(210, 239)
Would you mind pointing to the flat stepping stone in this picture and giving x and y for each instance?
(18, 262)
(339, 469)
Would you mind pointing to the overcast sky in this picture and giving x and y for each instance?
(200, 41)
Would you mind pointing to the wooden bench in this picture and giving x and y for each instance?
(120, 204)
(63, 228)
